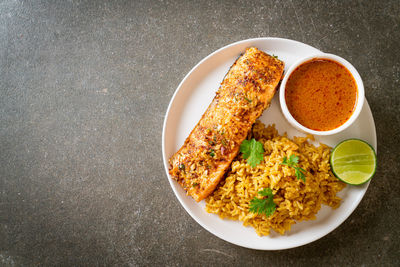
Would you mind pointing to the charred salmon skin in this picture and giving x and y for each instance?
(246, 91)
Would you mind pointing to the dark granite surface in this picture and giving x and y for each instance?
(84, 88)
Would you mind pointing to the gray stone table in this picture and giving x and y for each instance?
(84, 87)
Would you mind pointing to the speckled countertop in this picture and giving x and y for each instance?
(84, 88)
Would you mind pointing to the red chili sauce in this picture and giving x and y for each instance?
(321, 94)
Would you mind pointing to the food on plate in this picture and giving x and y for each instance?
(207, 153)
(353, 161)
(290, 184)
(321, 94)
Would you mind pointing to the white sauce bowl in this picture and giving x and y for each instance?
(359, 101)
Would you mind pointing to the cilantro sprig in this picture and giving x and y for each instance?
(252, 151)
(248, 99)
(292, 162)
(264, 205)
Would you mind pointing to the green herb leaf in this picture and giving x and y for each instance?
(263, 205)
(292, 162)
(252, 151)
(212, 153)
(293, 159)
(299, 174)
(181, 167)
(274, 56)
(195, 184)
(248, 99)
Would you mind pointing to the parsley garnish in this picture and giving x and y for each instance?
(248, 99)
(274, 56)
(182, 167)
(263, 205)
(195, 184)
(212, 153)
(252, 151)
(292, 162)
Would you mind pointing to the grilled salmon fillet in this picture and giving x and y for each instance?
(247, 89)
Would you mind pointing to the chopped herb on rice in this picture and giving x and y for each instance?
(295, 199)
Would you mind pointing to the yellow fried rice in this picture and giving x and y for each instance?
(295, 200)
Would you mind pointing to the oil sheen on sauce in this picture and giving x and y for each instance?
(321, 94)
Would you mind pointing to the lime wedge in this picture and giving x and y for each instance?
(353, 161)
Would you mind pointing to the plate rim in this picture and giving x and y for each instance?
(166, 164)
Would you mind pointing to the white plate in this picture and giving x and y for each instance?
(189, 102)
